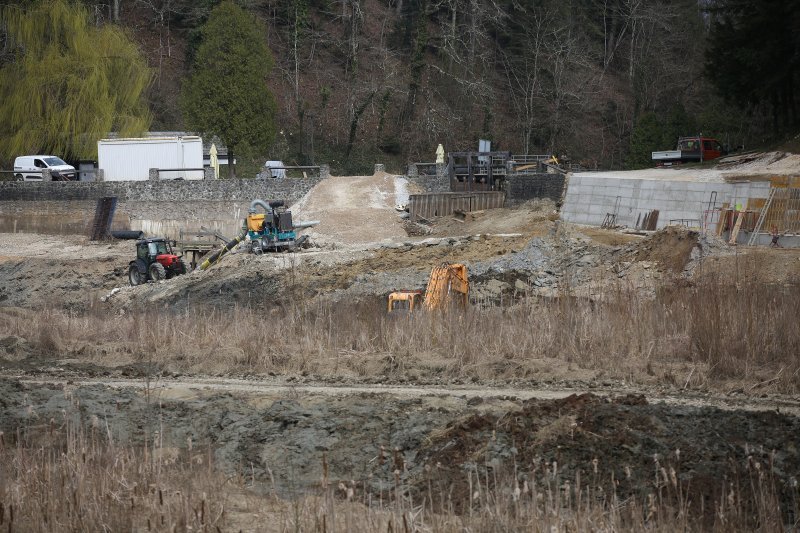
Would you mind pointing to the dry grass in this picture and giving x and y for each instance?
(714, 334)
(66, 477)
(60, 476)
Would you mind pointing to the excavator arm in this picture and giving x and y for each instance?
(448, 283)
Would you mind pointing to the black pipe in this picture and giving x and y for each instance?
(216, 256)
(127, 234)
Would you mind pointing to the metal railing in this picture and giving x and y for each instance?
(183, 177)
(302, 168)
(687, 222)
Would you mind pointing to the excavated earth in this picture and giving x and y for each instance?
(280, 429)
(280, 436)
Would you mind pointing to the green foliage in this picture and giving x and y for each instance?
(647, 137)
(653, 133)
(226, 94)
(68, 83)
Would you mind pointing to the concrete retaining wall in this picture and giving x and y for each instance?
(589, 198)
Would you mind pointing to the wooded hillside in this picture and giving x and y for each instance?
(601, 81)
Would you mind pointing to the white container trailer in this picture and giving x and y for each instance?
(132, 159)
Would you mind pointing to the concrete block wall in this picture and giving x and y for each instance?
(589, 198)
(524, 187)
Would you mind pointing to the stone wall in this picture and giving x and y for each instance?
(523, 187)
(431, 183)
(166, 208)
(289, 190)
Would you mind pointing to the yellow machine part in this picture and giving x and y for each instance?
(449, 283)
(255, 221)
(411, 297)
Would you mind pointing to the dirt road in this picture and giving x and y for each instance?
(278, 388)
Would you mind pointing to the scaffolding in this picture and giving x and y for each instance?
(784, 211)
(778, 213)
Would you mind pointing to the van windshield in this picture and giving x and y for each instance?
(54, 161)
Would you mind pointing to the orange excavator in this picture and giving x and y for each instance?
(447, 286)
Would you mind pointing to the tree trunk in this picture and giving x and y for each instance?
(354, 125)
(115, 15)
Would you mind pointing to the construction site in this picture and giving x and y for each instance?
(491, 343)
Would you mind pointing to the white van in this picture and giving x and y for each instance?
(28, 168)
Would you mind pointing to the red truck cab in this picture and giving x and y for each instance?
(699, 148)
(690, 150)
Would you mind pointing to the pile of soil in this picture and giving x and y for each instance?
(625, 436)
(60, 271)
(354, 210)
(671, 247)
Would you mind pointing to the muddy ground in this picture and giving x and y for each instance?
(279, 436)
(278, 430)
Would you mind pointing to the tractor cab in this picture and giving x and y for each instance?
(404, 302)
(155, 260)
(156, 249)
(152, 248)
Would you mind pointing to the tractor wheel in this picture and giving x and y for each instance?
(181, 268)
(157, 272)
(134, 276)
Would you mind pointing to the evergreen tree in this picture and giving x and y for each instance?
(66, 83)
(754, 54)
(647, 137)
(226, 94)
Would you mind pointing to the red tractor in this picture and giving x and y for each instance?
(155, 261)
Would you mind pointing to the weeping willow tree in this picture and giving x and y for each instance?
(68, 82)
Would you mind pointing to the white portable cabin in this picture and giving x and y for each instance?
(131, 159)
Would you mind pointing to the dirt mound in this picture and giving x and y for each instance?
(671, 247)
(763, 164)
(45, 270)
(354, 210)
(531, 219)
(696, 447)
